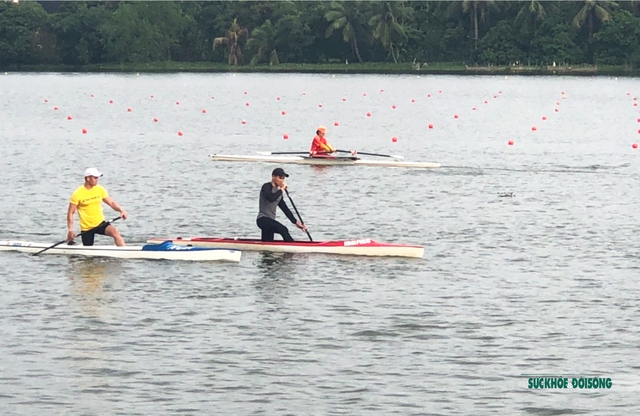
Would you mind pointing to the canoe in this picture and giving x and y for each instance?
(322, 161)
(361, 247)
(164, 250)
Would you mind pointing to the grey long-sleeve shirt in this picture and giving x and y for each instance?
(270, 198)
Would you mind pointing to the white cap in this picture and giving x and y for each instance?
(92, 172)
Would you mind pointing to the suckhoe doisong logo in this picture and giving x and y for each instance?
(559, 382)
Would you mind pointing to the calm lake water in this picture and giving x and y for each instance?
(531, 250)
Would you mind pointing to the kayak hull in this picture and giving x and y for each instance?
(361, 247)
(322, 161)
(147, 252)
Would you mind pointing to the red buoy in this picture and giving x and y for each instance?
(394, 139)
(430, 126)
(335, 123)
(155, 119)
(635, 145)
(510, 142)
(285, 136)
(368, 114)
(204, 111)
(84, 131)
(180, 133)
(284, 112)
(534, 128)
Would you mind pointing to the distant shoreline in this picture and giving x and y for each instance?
(339, 68)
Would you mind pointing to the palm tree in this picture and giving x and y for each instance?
(530, 15)
(592, 11)
(348, 18)
(263, 40)
(477, 10)
(387, 25)
(232, 37)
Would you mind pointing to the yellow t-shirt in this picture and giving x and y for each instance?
(89, 202)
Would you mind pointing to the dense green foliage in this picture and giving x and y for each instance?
(242, 33)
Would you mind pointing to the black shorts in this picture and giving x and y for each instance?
(88, 236)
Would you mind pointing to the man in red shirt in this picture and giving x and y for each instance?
(320, 147)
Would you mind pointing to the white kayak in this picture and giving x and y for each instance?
(360, 247)
(162, 251)
(324, 161)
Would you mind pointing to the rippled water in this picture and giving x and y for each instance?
(531, 257)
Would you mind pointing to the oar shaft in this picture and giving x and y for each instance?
(371, 154)
(64, 241)
(299, 216)
(283, 153)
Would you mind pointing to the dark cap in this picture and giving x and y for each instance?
(279, 172)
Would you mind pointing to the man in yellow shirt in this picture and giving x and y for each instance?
(87, 201)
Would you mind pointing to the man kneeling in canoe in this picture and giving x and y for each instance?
(87, 201)
(271, 196)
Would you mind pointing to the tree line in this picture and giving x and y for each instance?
(273, 32)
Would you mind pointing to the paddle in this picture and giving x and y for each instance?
(299, 216)
(282, 153)
(64, 241)
(371, 154)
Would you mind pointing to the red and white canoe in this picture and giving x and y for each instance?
(361, 247)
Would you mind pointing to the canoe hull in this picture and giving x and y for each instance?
(128, 252)
(340, 161)
(362, 247)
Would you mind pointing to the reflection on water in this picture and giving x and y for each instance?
(87, 274)
(321, 170)
(88, 277)
(276, 265)
(277, 276)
